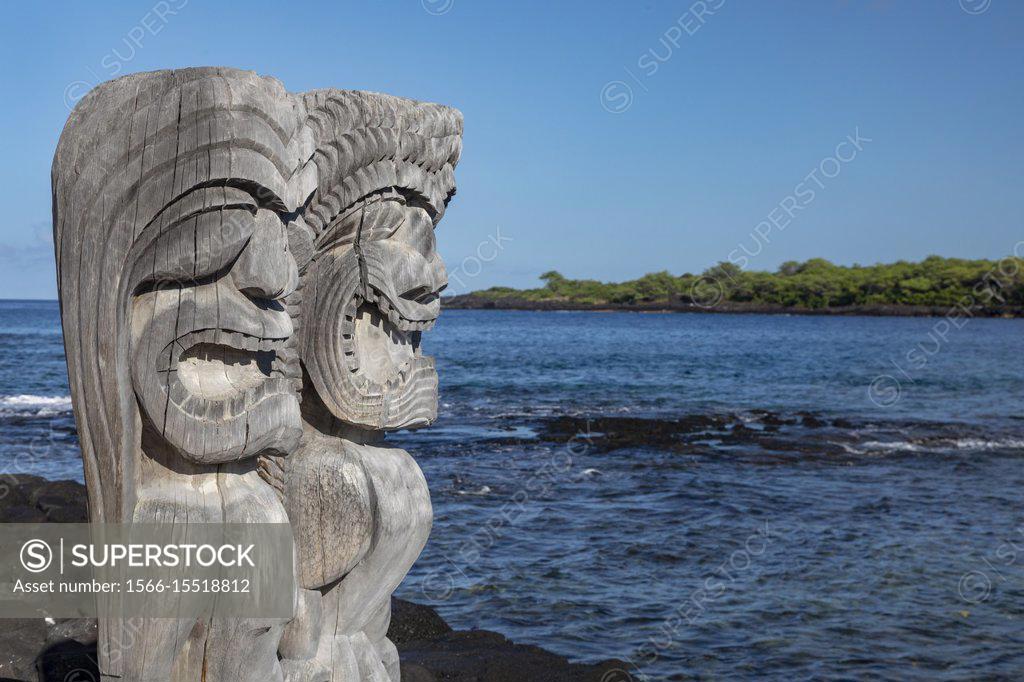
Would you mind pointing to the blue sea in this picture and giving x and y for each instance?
(836, 498)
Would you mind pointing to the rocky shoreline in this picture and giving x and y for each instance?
(34, 650)
(474, 302)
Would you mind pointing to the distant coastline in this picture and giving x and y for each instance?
(934, 287)
(476, 302)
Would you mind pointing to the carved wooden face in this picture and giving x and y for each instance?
(371, 292)
(209, 330)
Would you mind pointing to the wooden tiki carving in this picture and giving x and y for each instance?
(244, 276)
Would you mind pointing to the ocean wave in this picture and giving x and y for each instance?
(482, 490)
(34, 405)
(889, 446)
(948, 444)
(982, 444)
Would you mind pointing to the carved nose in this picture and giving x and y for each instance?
(414, 277)
(266, 269)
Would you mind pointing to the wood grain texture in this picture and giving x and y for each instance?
(244, 277)
(370, 279)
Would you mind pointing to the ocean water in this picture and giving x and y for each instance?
(705, 496)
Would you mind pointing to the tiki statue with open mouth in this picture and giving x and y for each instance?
(244, 276)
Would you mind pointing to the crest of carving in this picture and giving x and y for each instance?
(244, 276)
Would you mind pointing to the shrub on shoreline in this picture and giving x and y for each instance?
(815, 284)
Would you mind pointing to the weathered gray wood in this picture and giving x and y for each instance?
(218, 239)
(369, 286)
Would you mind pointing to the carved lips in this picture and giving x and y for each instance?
(226, 370)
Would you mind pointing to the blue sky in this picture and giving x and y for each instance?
(603, 139)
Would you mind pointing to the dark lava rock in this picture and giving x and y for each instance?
(31, 499)
(412, 622)
(24, 514)
(482, 656)
(613, 433)
(412, 672)
(61, 501)
(810, 420)
(758, 436)
(68, 661)
(20, 643)
(773, 419)
(11, 493)
(81, 630)
(65, 651)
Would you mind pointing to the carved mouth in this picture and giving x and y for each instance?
(380, 344)
(215, 372)
(394, 314)
(226, 371)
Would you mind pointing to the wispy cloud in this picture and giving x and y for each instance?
(35, 247)
(27, 267)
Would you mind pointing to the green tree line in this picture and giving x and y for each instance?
(815, 283)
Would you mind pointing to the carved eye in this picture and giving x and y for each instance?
(418, 232)
(196, 238)
(391, 213)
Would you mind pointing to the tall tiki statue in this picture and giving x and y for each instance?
(244, 277)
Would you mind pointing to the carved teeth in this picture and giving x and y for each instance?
(189, 405)
(283, 375)
(393, 314)
(401, 332)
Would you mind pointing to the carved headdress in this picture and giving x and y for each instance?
(370, 287)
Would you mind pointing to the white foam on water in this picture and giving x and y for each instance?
(982, 444)
(965, 444)
(483, 490)
(890, 446)
(34, 405)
